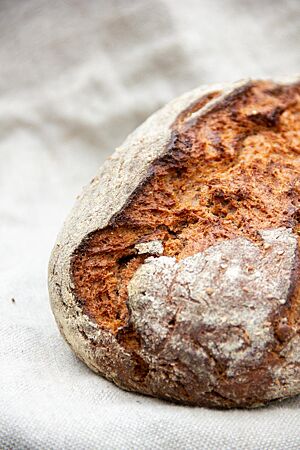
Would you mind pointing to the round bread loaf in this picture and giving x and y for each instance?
(176, 274)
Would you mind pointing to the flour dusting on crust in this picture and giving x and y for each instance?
(220, 300)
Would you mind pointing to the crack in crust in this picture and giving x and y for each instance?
(230, 172)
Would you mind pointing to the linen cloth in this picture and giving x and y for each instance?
(75, 78)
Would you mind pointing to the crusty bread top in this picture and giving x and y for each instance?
(89, 309)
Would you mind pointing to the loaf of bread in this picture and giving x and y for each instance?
(176, 274)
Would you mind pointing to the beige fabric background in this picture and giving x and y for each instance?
(75, 78)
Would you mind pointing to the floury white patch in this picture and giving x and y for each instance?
(224, 296)
(152, 247)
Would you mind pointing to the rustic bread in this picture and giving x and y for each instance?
(176, 274)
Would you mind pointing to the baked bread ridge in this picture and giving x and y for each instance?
(108, 194)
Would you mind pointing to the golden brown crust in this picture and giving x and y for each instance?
(231, 175)
(228, 174)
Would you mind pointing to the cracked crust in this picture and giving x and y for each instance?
(212, 323)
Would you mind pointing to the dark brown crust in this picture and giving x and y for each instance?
(180, 235)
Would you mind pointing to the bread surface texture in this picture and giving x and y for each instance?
(176, 274)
